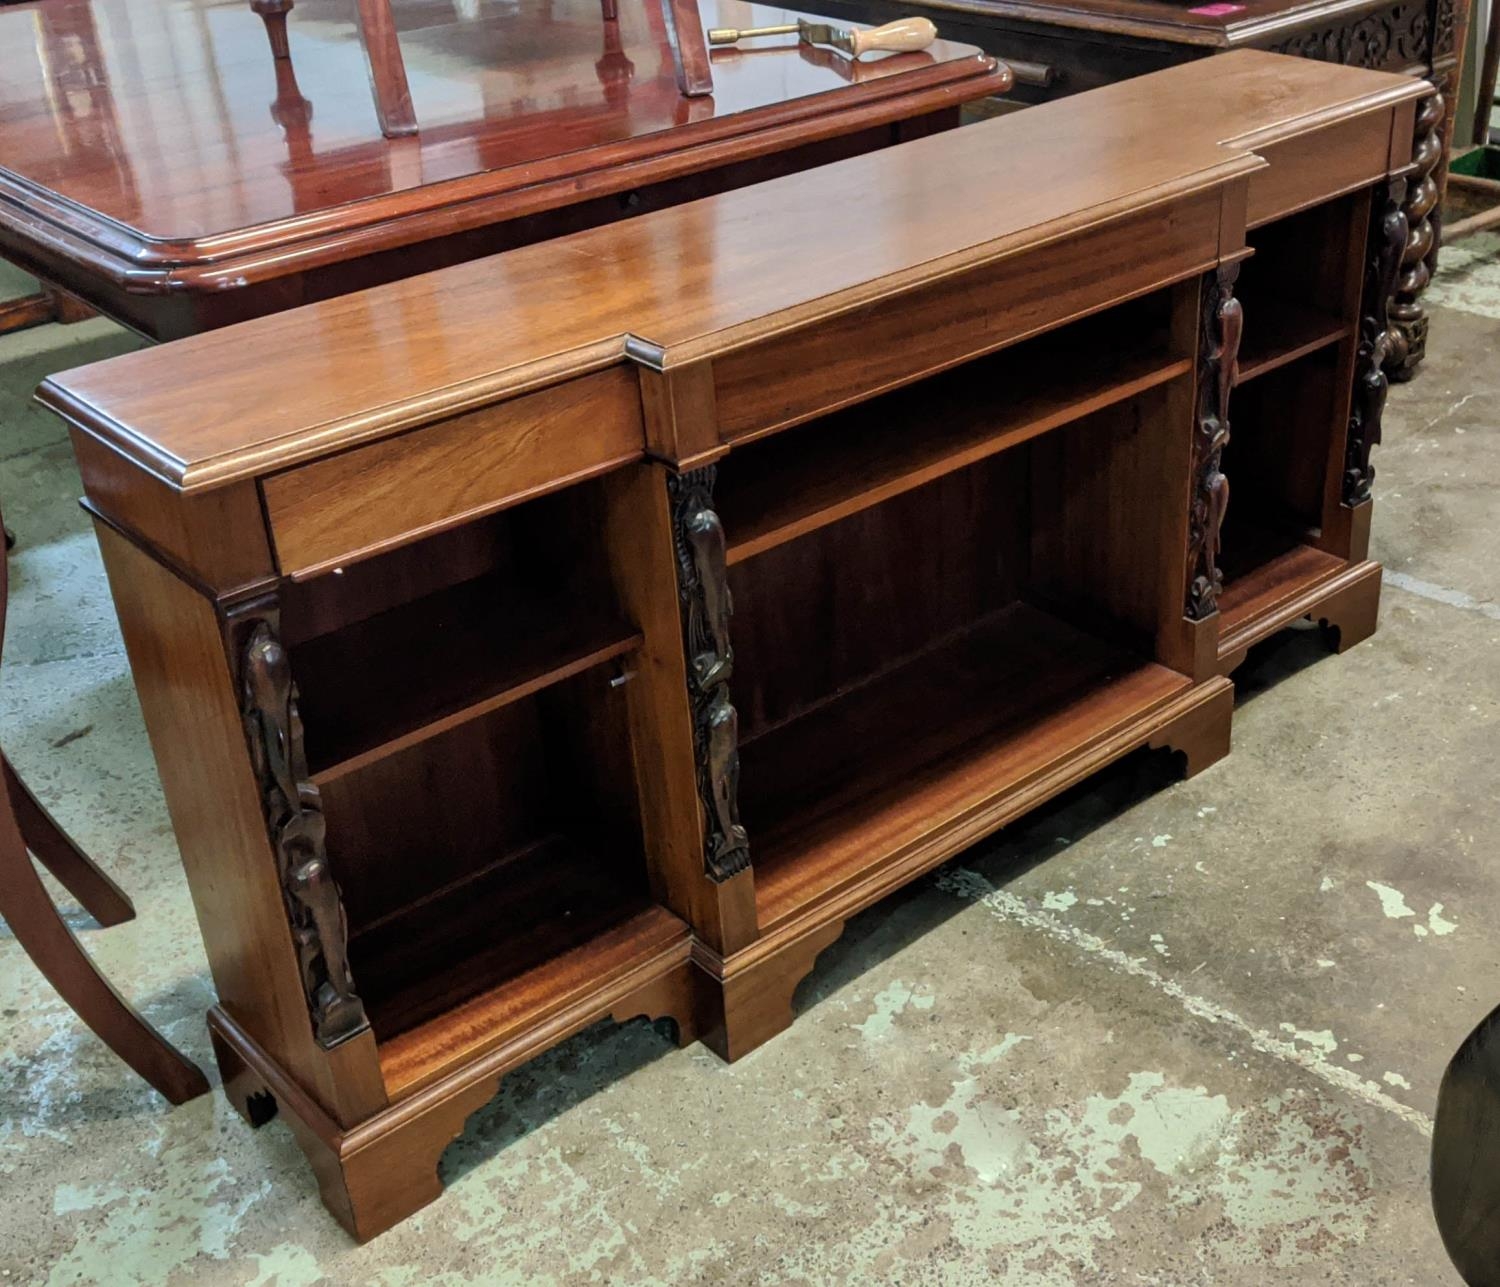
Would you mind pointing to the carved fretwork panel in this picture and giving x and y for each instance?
(1424, 222)
(1221, 321)
(1388, 239)
(294, 820)
(1389, 39)
(1444, 27)
(703, 593)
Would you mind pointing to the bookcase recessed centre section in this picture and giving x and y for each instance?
(935, 598)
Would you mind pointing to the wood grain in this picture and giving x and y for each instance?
(285, 180)
(352, 505)
(192, 716)
(719, 272)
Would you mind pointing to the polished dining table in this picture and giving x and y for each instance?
(157, 162)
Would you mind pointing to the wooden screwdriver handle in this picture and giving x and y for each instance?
(904, 36)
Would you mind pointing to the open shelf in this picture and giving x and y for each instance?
(1283, 332)
(798, 481)
(909, 757)
(475, 959)
(1286, 568)
(398, 678)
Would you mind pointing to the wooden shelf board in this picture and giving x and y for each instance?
(1265, 597)
(1298, 331)
(797, 483)
(913, 756)
(428, 667)
(487, 961)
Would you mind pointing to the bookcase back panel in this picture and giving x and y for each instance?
(829, 610)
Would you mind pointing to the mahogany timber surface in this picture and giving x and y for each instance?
(686, 283)
(796, 483)
(528, 906)
(477, 652)
(852, 784)
(1269, 581)
(155, 150)
(1298, 331)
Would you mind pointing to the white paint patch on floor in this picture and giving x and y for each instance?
(1392, 901)
(1059, 902)
(1005, 906)
(1323, 1041)
(890, 1002)
(1436, 922)
(1441, 594)
(1396, 1079)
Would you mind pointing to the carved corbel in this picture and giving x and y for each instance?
(704, 602)
(1220, 323)
(295, 823)
(1383, 259)
(1423, 214)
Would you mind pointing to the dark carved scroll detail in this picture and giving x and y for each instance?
(1444, 27)
(1424, 223)
(294, 818)
(1388, 237)
(1392, 38)
(703, 594)
(1221, 321)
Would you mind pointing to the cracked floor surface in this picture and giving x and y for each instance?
(1159, 1032)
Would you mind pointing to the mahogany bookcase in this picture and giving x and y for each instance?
(592, 631)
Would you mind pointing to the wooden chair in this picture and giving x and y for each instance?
(388, 83)
(1465, 1141)
(45, 937)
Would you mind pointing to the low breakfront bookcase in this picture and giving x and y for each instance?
(591, 630)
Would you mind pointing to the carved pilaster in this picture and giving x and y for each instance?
(1220, 323)
(1419, 261)
(294, 820)
(703, 594)
(1384, 252)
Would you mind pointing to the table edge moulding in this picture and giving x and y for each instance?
(623, 433)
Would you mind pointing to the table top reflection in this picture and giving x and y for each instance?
(162, 131)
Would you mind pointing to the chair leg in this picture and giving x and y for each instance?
(101, 898)
(273, 13)
(611, 10)
(377, 32)
(689, 47)
(45, 937)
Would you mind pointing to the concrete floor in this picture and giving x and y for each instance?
(1170, 1035)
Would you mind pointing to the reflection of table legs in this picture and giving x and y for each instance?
(689, 47)
(273, 13)
(377, 30)
(388, 83)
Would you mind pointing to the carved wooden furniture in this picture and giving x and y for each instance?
(1067, 46)
(285, 191)
(387, 67)
(1465, 1140)
(593, 632)
(27, 908)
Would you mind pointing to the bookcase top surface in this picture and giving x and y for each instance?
(699, 279)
